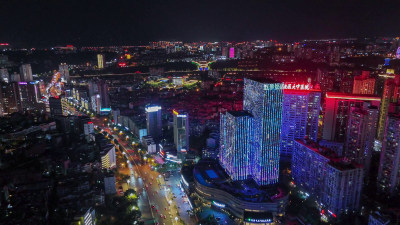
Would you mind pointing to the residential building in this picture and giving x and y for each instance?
(333, 181)
(336, 113)
(389, 166)
(300, 113)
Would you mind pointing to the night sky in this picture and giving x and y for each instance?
(35, 23)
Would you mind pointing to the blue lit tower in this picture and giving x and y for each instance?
(236, 144)
(300, 112)
(263, 99)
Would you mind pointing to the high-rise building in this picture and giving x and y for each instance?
(391, 94)
(364, 84)
(389, 166)
(231, 52)
(23, 95)
(300, 113)
(34, 95)
(153, 120)
(10, 99)
(333, 181)
(104, 96)
(108, 157)
(15, 77)
(236, 144)
(26, 72)
(263, 99)
(88, 129)
(181, 131)
(361, 131)
(85, 217)
(100, 61)
(64, 72)
(336, 112)
(4, 77)
(56, 106)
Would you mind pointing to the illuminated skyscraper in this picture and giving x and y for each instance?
(336, 113)
(389, 166)
(26, 72)
(181, 131)
(236, 144)
(391, 94)
(263, 99)
(361, 131)
(153, 120)
(300, 112)
(231, 52)
(64, 72)
(100, 61)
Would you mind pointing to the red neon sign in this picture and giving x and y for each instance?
(301, 87)
(122, 64)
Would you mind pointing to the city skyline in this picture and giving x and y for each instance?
(199, 112)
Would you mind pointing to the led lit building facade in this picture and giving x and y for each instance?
(391, 94)
(263, 99)
(108, 157)
(181, 131)
(153, 121)
(100, 61)
(300, 112)
(336, 112)
(364, 84)
(361, 131)
(389, 166)
(236, 144)
(334, 182)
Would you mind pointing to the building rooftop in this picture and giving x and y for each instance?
(263, 80)
(240, 113)
(347, 96)
(335, 161)
(210, 173)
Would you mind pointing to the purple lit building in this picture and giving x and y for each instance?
(300, 112)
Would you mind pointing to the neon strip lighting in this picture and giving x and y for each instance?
(153, 108)
(349, 97)
(184, 181)
(175, 112)
(219, 204)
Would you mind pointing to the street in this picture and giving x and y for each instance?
(160, 201)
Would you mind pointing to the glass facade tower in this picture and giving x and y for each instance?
(263, 99)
